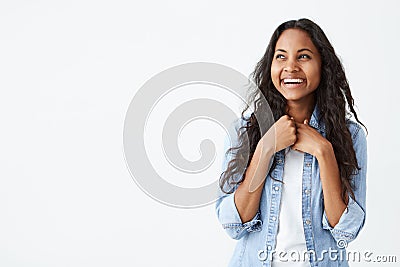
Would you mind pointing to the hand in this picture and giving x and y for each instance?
(309, 140)
(282, 134)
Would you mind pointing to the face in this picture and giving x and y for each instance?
(296, 66)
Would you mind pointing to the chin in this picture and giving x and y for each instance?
(292, 98)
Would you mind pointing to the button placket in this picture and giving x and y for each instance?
(275, 202)
(306, 198)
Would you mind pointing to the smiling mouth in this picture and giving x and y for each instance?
(292, 83)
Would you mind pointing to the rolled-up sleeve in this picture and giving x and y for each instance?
(228, 216)
(225, 206)
(353, 217)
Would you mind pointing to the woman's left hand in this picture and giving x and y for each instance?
(309, 140)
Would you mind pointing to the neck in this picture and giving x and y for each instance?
(300, 111)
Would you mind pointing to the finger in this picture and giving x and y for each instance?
(292, 122)
(298, 125)
(297, 145)
(294, 140)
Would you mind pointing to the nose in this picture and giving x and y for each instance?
(291, 66)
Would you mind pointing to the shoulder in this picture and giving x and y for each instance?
(355, 128)
(357, 131)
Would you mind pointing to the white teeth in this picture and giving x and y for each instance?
(293, 80)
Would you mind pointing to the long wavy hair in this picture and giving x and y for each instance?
(331, 97)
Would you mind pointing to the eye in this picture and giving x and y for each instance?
(304, 56)
(279, 56)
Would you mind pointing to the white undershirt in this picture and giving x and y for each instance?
(290, 236)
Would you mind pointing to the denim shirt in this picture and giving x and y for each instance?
(257, 238)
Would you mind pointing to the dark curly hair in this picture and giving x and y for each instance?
(331, 97)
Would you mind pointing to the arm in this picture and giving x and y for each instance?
(312, 142)
(352, 218)
(343, 221)
(331, 184)
(248, 194)
(239, 211)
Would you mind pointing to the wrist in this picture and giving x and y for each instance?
(324, 150)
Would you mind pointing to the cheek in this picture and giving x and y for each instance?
(318, 77)
(315, 75)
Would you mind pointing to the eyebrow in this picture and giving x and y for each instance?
(298, 51)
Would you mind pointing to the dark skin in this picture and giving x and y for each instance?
(296, 58)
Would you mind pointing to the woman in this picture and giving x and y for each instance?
(305, 208)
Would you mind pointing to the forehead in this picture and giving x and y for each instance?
(294, 39)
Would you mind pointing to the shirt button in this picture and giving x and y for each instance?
(273, 218)
(308, 164)
(307, 191)
(276, 188)
(269, 247)
(308, 222)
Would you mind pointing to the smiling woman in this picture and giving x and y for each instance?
(296, 67)
(302, 190)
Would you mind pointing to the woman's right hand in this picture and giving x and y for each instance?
(282, 133)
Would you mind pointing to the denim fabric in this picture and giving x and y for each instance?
(256, 238)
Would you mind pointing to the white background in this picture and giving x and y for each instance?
(68, 71)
